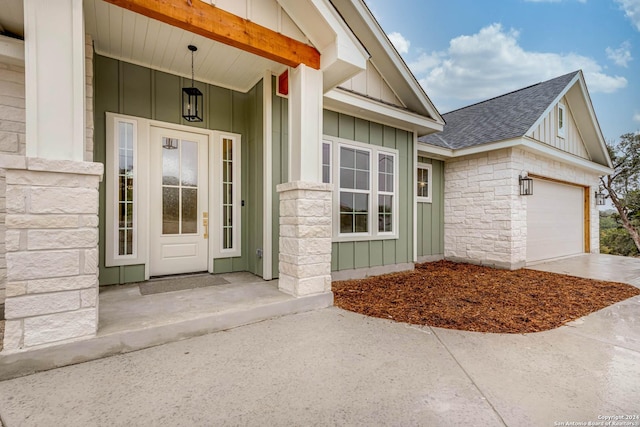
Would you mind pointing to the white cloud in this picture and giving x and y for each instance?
(492, 63)
(401, 44)
(636, 117)
(620, 56)
(631, 10)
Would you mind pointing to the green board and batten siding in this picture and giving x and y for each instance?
(430, 223)
(279, 162)
(353, 255)
(129, 89)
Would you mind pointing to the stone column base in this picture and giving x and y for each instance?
(305, 238)
(52, 251)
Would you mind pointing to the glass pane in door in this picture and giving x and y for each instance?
(189, 210)
(179, 186)
(170, 212)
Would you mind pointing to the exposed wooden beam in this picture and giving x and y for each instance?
(214, 23)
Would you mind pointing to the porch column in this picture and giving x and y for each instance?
(52, 194)
(305, 202)
(54, 79)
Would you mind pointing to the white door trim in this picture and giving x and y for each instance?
(179, 252)
(143, 200)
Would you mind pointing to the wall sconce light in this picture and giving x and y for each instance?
(192, 97)
(600, 197)
(526, 184)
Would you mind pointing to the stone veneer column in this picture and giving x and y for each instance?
(305, 238)
(52, 251)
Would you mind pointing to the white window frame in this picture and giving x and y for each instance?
(112, 255)
(368, 192)
(141, 191)
(327, 142)
(372, 222)
(429, 168)
(562, 126)
(216, 183)
(393, 194)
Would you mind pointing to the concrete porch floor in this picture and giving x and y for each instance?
(129, 320)
(596, 266)
(124, 308)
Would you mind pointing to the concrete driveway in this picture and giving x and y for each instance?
(333, 367)
(596, 266)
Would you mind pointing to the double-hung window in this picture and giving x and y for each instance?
(366, 190)
(355, 190)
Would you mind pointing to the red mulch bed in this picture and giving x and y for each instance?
(482, 299)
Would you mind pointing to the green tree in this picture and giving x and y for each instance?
(623, 185)
(614, 239)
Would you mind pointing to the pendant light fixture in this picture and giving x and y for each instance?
(192, 97)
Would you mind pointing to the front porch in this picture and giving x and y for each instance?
(130, 321)
(86, 207)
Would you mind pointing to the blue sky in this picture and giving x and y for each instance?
(464, 51)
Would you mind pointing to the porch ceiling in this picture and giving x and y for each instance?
(131, 37)
(122, 34)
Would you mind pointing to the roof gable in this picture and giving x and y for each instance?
(517, 114)
(504, 117)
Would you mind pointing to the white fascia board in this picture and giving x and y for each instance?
(11, 50)
(360, 106)
(438, 153)
(589, 106)
(536, 147)
(552, 105)
(342, 56)
(563, 156)
(593, 119)
(393, 55)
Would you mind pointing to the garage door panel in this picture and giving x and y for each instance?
(555, 221)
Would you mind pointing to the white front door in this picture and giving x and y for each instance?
(178, 220)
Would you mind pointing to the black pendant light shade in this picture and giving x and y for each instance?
(192, 97)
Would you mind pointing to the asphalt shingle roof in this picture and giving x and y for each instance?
(504, 117)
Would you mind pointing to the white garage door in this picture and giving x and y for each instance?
(555, 221)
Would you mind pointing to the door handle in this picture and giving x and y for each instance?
(205, 224)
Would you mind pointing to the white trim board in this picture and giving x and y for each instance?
(143, 127)
(524, 143)
(356, 105)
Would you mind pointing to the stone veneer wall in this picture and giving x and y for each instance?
(305, 238)
(12, 131)
(543, 166)
(12, 141)
(52, 250)
(485, 216)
